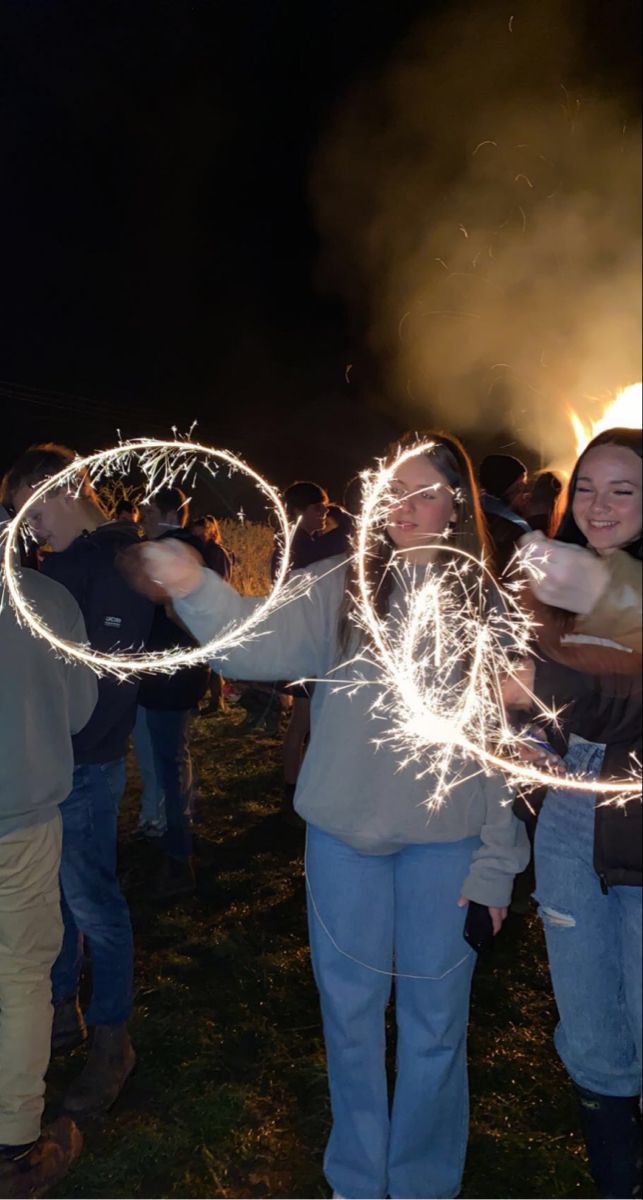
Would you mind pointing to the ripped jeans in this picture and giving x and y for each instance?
(593, 941)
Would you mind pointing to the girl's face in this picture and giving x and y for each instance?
(607, 501)
(421, 508)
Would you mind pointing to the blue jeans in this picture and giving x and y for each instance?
(593, 942)
(170, 737)
(152, 799)
(93, 906)
(365, 913)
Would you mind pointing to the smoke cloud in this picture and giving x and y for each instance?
(480, 212)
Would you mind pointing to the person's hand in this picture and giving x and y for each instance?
(498, 915)
(564, 576)
(167, 570)
(517, 689)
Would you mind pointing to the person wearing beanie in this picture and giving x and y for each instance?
(503, 480)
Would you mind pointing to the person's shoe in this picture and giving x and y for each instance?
(110, 1062)
(69, 1029)
(148, 830)
(176, 878)
(43, 1164)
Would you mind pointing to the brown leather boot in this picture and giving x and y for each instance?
(47, 1162)
(69, 1029)
(110, 1062)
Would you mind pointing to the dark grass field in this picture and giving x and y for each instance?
(229, 1095)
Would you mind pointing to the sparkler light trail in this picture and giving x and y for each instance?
(442, 665)
(162, 464)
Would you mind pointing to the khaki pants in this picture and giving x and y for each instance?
(30, 940)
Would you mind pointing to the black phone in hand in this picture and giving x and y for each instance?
(478, 927)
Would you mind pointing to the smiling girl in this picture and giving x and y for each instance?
(386, 885)
(588, 854)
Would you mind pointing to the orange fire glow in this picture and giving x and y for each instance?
(623, 412)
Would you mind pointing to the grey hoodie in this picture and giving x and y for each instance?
(43, 701)
(347, 787)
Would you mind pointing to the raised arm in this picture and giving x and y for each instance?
(296, 641)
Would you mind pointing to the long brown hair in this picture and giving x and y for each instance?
(467, 532)
(568, 531)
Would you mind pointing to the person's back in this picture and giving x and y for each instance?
(84, 549)
(44, 700)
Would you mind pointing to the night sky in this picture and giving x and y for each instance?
(159, 259)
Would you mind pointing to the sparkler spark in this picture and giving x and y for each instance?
(161, 463)
(441, 667)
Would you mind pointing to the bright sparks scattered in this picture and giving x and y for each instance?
(442, 657)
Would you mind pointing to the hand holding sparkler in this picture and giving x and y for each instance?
(563, 575)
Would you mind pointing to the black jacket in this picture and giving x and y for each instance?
(184, 688)
(604, 709)
(116, 618)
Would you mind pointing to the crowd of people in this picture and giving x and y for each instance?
(392, 896)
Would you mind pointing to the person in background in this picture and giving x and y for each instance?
(387, 885)
(308, 506)
(504, 481)
(216, 557)
(44, 700)
(167, 704)
(85, 554)
(127, 510)
(587, 853)
(542, 502)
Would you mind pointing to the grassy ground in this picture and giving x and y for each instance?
(229, 1096)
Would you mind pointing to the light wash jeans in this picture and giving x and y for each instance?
(593, 941)
(92, 903)
(369, 915)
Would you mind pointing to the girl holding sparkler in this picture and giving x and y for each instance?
(387, 884)
(588, 853)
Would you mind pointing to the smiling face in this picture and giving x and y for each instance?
(421, 508)
(607, 501)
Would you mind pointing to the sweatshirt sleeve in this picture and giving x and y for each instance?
(503, 854)
(293, 643)
(617, 613)
(82, 685)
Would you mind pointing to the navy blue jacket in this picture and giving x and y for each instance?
(116, 618)
(184, 688)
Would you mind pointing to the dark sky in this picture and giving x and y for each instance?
(158, 251)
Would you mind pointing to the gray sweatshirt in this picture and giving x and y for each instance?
(347, 787)
(43, 700)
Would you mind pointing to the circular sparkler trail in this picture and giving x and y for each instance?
(436, 721)
(438, 715)
(162, 463)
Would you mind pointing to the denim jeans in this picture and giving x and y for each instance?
(170, 736)
(365, 913)
(93, 906)
(593, 942)
(152, 799)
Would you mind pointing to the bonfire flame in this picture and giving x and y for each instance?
(623, 413)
